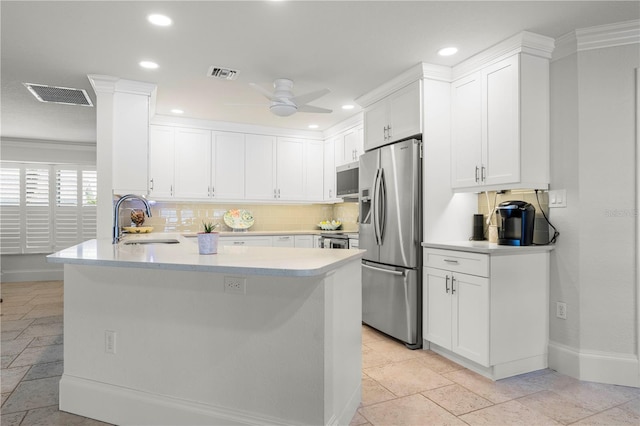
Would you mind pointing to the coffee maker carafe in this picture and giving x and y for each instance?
(515, 223)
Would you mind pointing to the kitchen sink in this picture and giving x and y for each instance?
(153, 241)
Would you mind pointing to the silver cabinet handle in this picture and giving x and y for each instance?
(330, 194)
(483, 176)
(238, 243)
(452, 261)
(278, 192)
(446, 284)
(171, 190)
(275, 193)
(389, 132)
(151, 185)
(398, 273)
(453, 280)
(477, 177)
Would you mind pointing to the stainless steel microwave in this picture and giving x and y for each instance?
(347, 180)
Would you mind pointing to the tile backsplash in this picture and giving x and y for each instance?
(187, 217)
(487, 201)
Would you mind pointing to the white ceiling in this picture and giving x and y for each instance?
(348, 47)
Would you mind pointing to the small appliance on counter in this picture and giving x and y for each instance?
(515, 223)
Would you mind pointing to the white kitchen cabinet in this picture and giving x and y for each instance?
(290, 173)
(314, 170)
(457, 309)
(261, 241)
(316, 241)
(500, 126)
(350, 146)
(303, 241)
(228, 159)
(283, 241)
(397, 116)
(192, 163)
(260, 167)
(329, 186)
(161, 161)
(488, 312)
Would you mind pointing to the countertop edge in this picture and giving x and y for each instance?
(484, 247)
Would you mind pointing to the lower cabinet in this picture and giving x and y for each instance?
(303, 241)
(264, 241)
(488, 312)
(283, 241)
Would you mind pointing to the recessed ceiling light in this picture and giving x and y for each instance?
(313, 126)
(159, 20)
(448, 51)
(348, 106)
(148, 64)
(177, 111)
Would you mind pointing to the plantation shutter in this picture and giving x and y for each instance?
(89, 201)
(37, 210)
(68, 227)
(10, 217)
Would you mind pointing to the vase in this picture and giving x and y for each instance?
(208, 242)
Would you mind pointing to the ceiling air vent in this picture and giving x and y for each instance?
(223, 73)
(59, 95)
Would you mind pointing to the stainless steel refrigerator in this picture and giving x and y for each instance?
(390, 197)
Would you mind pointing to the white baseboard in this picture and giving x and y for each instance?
(594, 366)
(96, 400)
(34, 275)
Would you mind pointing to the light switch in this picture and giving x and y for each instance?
(558, 198)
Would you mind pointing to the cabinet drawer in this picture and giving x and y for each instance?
(458, 261)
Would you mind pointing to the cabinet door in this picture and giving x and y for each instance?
(471, 317)
(130, 143)
(193, 163)
(314, 170)
(359, 142)
(161, 161)
(260, 167)
(283, 241)
(228, 166)
(329, 177)
(290, 176)
(501, 134)
(245, 241)
(375, 122)
(466, 131)
(350, 146)
(303, 241)
(436, 304)
(405, 113)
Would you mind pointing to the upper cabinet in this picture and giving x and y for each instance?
(349, 146)
(397, 116)
(200, 164)
(500, 126)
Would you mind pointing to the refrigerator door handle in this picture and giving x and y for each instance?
(386, 271)
(374, 207)
(383, 205)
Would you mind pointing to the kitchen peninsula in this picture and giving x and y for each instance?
(158, 334)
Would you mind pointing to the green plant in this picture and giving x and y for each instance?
(209, 227)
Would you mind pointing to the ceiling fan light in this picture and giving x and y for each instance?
(283, 110)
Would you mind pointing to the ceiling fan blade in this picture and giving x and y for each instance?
(310, 108)
(267, 94)
(308, 97)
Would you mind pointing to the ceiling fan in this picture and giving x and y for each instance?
(284, 103)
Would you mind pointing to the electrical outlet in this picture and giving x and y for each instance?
(110, 341)
(561, 310)
(235, 285)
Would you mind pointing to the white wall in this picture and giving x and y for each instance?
(593, 268)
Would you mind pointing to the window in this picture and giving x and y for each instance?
(46, 207)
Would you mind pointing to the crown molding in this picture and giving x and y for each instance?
(109, 84)
(598, 37)
(523, 42)
(417, 72)
(350, 123)
(610, 35)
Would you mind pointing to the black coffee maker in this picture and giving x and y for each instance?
(515, 223)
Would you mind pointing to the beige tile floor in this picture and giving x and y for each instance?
(399, 386)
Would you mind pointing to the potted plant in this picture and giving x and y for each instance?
(208, 240)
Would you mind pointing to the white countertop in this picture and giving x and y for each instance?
(184, 256)
(487, 247)
(353, 233)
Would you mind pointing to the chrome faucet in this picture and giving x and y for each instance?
(116, 214)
